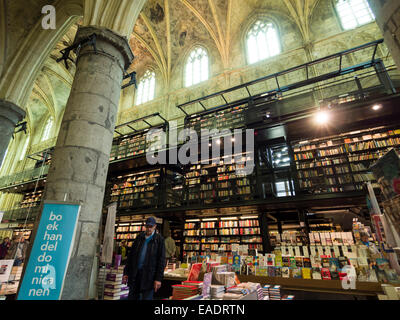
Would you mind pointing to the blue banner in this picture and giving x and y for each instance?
(49, 258)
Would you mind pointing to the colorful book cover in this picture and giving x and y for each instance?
(285, 272)
(316, 273)
(334, 264)
(230, 259)
(307, 262)
(325, 274)
(306, 273)
(296, 273)
(262, 260)
(270, 260)
(285, 261)
(316, 262)
(278, 272)
(325, 262)
(382, 264)
(256, 260)
(271, 271)
(299, 262)
(278, 260)
(292, 261)
(334, 275)
(262, 271)
(194, 272)
(250, 270)
(236, 263)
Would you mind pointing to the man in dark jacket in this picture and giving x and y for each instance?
(146, 262)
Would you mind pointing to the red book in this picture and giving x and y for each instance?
(325, 274)
(194, 272)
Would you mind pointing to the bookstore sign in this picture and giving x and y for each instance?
(49, 258)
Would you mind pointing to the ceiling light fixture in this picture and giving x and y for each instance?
(322, 117)
(376, 107)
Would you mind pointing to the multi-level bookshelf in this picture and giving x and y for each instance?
(218, 234)
(131, 146)
(341, 163)
(147, 188)
(207, 183)
(136, 189)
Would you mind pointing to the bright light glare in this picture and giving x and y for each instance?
(322, 117)
(376, 107)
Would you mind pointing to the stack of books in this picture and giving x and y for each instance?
(275, 293)
(197, 284)
(217, 292)
(266, 291)
(260, 292)
(287, 297)
(114, 289)
(180, 291)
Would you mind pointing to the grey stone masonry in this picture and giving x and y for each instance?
(10, 115)
(80, 161)
(387, 13)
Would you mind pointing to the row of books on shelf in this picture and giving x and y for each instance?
(123, 191)
(126, 236)
(318, 163)
(224, 224)
(345, 150)
(206, 194)
(130, 228)
(355, 139)
(331, 238)
(222, 232)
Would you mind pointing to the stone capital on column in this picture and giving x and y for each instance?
(108, 42)
(11, 111)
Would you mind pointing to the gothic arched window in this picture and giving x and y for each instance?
(262, 42)
(354, 13)
(146, 87)
(196, 67)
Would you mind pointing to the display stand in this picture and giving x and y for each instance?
(325, 286)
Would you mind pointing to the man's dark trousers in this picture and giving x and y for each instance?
(135, 293)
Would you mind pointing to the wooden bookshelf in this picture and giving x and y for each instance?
(219, 235)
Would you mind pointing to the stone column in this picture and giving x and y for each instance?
(387, 14)
(10, 115)
(80, 161)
